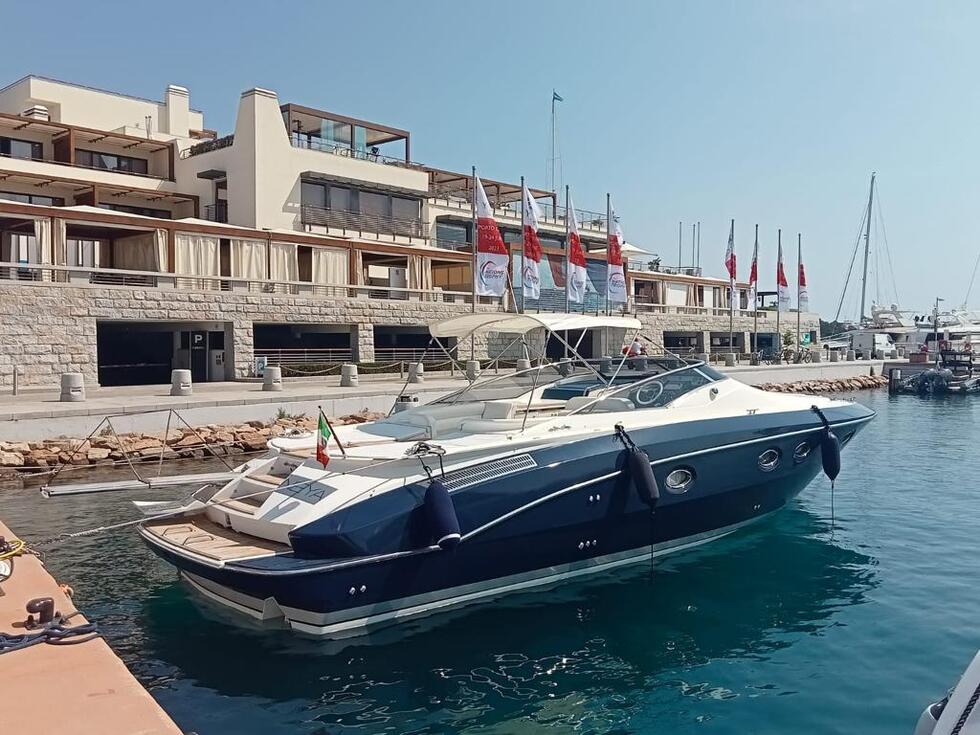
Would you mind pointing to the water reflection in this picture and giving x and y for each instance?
(574, 657)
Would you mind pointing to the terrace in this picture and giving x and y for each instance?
(339, 135)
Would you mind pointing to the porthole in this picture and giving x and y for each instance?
(679, 481)
(769, 460)
(801, 452)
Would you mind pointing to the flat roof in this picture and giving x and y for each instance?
(382, 133)
(43, 78)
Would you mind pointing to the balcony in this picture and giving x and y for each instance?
(217, 212)
(342, 149)
(207, 146)
(357, 223)
(340, 135)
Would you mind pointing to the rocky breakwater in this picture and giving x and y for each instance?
(828, 385)
(107, 448)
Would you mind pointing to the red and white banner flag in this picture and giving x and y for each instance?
(531, 272)
(754, 276)
(730, 266)
(803, 297)
(782, 287)
(577, 278)
(492, 259)
(615, 277)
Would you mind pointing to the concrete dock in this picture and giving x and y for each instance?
(39, 415)
(66, 689)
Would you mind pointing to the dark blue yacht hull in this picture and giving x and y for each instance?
(555, 512)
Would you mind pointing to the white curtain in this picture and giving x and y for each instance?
(196, 255)
(161, 242)
(42, 238)
(331, 267)
(249, 259)
(136, 253)
(420, 274)
(284, 265)
(59, 242)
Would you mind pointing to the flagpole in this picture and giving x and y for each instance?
(755, 293)
(523, 249)
(332, 432)
(779, 336)
(694, 229)
(608, 242)
(731, 296)
(799, 261)
(474, 233)
(680, 238)
(554, 184)
(697, 263)
(568, 249)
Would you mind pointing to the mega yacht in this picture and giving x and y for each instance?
(510, 483)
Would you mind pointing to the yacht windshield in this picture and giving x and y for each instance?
(656, 391)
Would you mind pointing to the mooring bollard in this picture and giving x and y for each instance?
(605, 364)
(416, 373)
(729, 359)
(72, 387)
(472, 370)
(702, 356)
(180, 383)
(272, 378)
(523, 364)
(816, 356)
(850, 356)
(835, 355)
(348, 376)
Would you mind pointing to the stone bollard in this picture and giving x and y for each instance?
(72, 387)
(565, 366)
(835, 355)
(523, 364)
(879, 355)
(605, 364)
(416, 373)
(729, 359)
(816, 355)
(180, 383)
(702, 356)
(348, 376)
(754, 359)
(850, 357)
(472, 370)
(272, 377)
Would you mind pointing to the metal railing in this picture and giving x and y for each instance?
(217, 212)
(88, 168)
(35, 273)
(456, 199)
(651, 308)
(313, 143)
(207, 146)
(356, 222)
(301, 356)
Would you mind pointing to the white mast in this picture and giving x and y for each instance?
(867, 246)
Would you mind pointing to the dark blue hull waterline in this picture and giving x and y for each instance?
(575, 512)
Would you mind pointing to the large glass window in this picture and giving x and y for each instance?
(341, 199)
(16, 148)
(314, 195)
(404, 208)
(451, 235)
(32, 199)
(374, 204)
(111, 162)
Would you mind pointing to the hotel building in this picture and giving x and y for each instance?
(134, 240)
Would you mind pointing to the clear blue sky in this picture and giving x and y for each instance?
(768, 112)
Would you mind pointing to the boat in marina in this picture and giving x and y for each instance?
(957, 712)
(511, 483)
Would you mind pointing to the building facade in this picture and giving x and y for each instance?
(134, 240)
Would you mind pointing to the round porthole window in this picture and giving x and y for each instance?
(801, 452)
(769, 460)
(679, 481)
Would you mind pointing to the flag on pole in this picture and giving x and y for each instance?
(575, 282)
(615, 277)
(803, 297)
(531, 274)
(323, 434)
(731, 266)
(492, 259)
(754, 276)
(555, 97)
(782, 287)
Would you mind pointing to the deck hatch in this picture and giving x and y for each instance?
(458, 479)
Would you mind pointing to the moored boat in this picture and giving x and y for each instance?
(511, 483)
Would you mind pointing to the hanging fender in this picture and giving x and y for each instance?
(641, 472)
(829, 448)
(441, 515)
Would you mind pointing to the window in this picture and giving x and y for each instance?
(341, 198)
(313, 195)
(111, 162)
(32, 199)
(16, 148)
(144, 211)
(452, 236)
(374, 204)
(402, 208)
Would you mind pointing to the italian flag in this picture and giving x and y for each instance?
(322, 437)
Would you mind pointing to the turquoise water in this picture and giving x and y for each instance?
(794, 626)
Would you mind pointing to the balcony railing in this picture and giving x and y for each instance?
(87, 168)
(651, 308)
(303, 356)
(314, 143)
(217, 212)
(358, 223)
(592, 221)
(207, 146)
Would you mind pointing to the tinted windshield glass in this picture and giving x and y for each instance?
(659, 391)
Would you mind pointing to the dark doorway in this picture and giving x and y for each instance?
(133, 356)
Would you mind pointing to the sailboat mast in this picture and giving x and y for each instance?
(867, 245)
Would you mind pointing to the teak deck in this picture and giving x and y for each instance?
(66, 690)
(206, 538)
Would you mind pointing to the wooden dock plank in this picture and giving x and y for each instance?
(68, 690)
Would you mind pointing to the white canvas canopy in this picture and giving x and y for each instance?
(463, 326)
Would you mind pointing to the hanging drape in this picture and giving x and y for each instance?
(136, 253)
(331, 267)
(42, 239)
(249, 259)
(358, 267)
(161, 241)
(196, 255)
(691, 299)
(420, 274)
(283, 265)
(658, 295)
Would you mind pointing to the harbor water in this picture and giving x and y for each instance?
(842, 613)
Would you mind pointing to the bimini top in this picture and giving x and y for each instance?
(462, 326)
